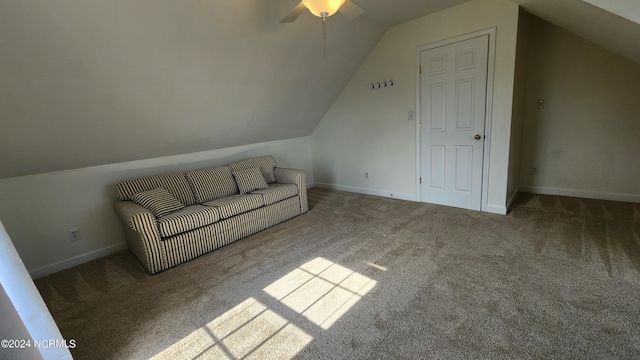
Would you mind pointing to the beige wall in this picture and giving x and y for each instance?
(369, 131)
(519, 105)
(38, 210)
(586, 140)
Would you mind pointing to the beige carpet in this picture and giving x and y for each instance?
(363, 277)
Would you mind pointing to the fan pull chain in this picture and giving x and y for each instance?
(324, 35)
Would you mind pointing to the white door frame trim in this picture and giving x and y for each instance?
(488, 109)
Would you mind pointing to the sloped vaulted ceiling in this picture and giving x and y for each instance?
(89, 82)
(612, 24)
(94, 82)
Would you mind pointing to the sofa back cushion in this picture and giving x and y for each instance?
(175, 183)
(266, 164)
(212, 183)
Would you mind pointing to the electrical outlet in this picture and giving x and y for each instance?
(74, 234)
(534, 171)
(412, 115)
(366, 175)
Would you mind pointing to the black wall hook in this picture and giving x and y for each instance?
(378, 85)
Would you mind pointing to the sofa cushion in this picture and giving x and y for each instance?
(266, 164)
(174, 183)
(212, 183)
(277, 192)
(249, 179)
(189, 218)
(236, 204)
(158, 200)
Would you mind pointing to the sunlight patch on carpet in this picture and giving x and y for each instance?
(379, 267)
(249, 330)
(321, 290)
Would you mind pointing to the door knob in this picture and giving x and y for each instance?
(478, 137)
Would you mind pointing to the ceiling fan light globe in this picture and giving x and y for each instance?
(317, 7)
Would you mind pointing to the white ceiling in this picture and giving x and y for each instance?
(612, 24)
(390, 13)
(95, 82)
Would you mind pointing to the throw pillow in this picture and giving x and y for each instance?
(266, 164)
(158, 200)
(249, 180)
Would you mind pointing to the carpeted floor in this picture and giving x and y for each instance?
(363, 277)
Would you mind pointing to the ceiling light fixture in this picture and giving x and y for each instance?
(324, 9)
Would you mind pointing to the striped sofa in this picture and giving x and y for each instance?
(172, 218)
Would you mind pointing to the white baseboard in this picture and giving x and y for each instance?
(581, 194)
(512, 198)
(501, 209)
(496, 209)
(77, 260)
(366, 191)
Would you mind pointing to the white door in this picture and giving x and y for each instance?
(453, 91)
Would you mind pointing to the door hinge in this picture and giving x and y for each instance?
(420, 126)
(420, 70)
(420, 179)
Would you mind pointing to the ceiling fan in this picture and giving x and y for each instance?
(324, 9)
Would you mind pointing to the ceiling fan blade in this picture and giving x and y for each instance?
(350, 10)
(293, 14)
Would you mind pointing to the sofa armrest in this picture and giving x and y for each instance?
(294, 176)
(131, 214)
(141, 229)
(290, 176)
